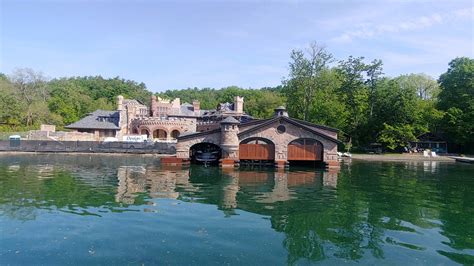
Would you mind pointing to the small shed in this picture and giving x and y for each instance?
(430, 141)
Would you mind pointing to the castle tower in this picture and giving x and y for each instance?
(239, 104)
(229, 141)
(154, 106)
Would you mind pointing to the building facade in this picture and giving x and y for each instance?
(164, 121)
(280, 140)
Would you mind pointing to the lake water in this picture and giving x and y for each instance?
(103, 209)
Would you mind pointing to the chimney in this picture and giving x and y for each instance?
(239, 104)
(196, 106)
(119, 103)
(154, 106)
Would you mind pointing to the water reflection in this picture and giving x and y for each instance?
(265, 186)
(366, 212)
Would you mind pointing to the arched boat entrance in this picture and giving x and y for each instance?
(256, 149)
(304, 151)
(205, 153)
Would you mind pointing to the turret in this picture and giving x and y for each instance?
(280, 111)
(229, 138)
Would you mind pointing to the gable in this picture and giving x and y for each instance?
(297, 129)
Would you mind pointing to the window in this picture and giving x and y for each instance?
(106, 133)
(281, 129)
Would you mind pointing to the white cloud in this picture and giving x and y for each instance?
(369, 30)
(465, 12)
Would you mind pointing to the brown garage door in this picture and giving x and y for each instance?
(305, 150)
(256, 152)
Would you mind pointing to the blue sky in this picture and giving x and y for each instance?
(180, 44)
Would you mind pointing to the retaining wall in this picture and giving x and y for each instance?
(87, 146)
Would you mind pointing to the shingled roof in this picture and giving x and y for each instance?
(98, 119)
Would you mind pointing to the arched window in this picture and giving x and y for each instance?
(175, 134)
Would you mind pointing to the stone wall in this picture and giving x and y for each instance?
(207, 126)
(60, 136)
(88, 146)
(183, 146)
(151, 124)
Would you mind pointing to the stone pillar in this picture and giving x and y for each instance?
(330, 177)
(229, 142)
(282, 164)
(280, 191)
(231, 188)
(330, 156)
(281, 154)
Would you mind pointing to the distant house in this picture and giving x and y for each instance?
(101, 123)
(430, 141)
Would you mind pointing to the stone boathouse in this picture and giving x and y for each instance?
(281, 140)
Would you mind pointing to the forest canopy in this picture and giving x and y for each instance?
(353, 95)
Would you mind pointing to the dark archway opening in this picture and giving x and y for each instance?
(205, 153)
(175, 134)
(305, 152)
(145, 132)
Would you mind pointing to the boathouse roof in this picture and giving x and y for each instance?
(313, 128)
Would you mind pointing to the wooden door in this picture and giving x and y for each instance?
(256, 152)
(304, 152)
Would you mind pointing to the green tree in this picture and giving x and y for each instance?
(456, 98)
(31, 91)
(374, 73)
(262, 103)
(71, 101)
(355, 95)
(397, 136)
(303, 83)
(10, 107)
(326, 105)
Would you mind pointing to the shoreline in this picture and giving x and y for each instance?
(400, 158)
(362, 157)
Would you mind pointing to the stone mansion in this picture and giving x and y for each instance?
(164, 121)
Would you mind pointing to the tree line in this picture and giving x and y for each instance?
(353, 95)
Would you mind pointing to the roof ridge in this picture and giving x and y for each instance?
(291, 121)
(315, 125)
